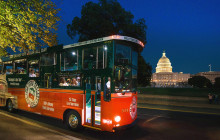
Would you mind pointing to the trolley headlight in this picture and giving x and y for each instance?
(117, 118)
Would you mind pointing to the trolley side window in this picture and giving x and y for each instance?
(69, 80)
(95, 57)
(20, 66)
(8, 67)
(107, 88)
(69, 60)
(33, 68)
(89, 58)
(48, 59)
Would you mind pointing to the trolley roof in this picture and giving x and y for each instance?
(113, 37)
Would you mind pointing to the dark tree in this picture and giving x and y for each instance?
(106, 18)
(217, 82)
(200, 82)
(144, 72)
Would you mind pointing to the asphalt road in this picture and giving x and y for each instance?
(151, 125)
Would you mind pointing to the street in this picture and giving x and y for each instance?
(151, 125)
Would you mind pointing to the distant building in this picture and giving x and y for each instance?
(164, 77)
(211, 75)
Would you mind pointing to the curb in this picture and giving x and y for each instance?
(182, 104)
(178, 110)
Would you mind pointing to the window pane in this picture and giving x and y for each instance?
(48, 59)
(33, 68)
(134, 73)
(123, 54)
(134, 58)
(8, 67)
(69, 60)
(100, 58)
(89, 61)
(123, 80)
(70, 80)
(134, 80)
(107, 89)
(21, 66)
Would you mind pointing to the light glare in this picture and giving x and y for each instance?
(117, 118)
(73, 53)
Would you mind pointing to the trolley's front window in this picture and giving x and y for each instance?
(125, 68)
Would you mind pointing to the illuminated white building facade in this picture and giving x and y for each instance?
(164, 77)
(211, 75)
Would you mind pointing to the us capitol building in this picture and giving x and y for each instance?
(165, 77)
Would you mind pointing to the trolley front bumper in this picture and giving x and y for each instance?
(125, 126)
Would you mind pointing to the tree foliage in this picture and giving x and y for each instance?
(106, 18)
(144, 72)
(200, 82)
(27, 24)
(3, 52)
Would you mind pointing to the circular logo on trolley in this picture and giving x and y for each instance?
(133, 108)
(32, 94)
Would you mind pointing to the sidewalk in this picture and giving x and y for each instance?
(178, 103)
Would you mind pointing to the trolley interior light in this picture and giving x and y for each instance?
(73, 53)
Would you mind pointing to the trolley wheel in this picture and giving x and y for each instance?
(9, 105)
(73, 120)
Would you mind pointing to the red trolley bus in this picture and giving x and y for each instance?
(91, 84)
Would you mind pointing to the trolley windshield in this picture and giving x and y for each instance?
(125, 70)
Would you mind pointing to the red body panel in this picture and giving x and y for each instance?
(51, 103)
(54, 102)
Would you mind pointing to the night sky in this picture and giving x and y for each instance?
(188, 30)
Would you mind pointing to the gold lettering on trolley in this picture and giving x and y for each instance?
(48, 106)
(125, 110)
(72, 102)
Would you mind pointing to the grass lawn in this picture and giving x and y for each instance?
(189, 92)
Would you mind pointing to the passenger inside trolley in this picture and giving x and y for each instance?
(78, 81)
(31, 73)
(69, 81)
(63, 82)
(9, 71)
(74, 82)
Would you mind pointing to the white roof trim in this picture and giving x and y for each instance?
(117, 37)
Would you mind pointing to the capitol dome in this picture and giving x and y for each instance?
(164, 64)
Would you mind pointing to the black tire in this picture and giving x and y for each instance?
(9, 105)
(73, 120)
